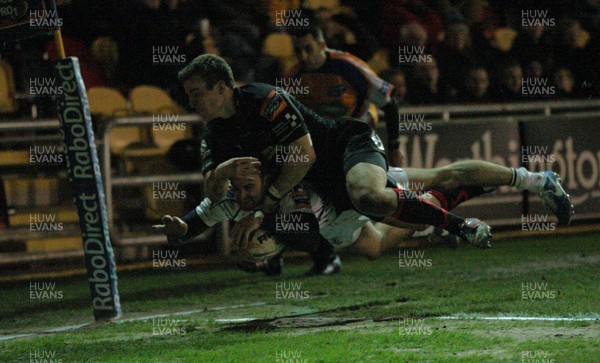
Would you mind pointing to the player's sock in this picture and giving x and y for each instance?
(523, 179)
(412, 208)
(451, 198)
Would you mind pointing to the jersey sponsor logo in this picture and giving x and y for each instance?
(273, 105)
(377, 141)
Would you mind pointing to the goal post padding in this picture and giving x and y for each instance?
(21, 19)
(87, 188)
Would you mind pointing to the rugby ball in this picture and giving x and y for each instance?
(261, 247)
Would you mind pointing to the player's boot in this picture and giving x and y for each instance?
(555, 197)
(330, 266)
(476, 232)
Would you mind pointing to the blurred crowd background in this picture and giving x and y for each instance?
(479, 51)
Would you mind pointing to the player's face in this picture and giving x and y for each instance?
(310, 52)
(207, 102)
(248, 193)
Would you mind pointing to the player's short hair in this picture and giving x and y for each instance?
(312, 29)
(210, 68)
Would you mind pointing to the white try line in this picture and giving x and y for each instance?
(523, 318)
(139, 318)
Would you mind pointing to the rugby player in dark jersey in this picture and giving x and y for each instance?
(344, 160)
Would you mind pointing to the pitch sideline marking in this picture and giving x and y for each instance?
(139, 318)
(522, 318)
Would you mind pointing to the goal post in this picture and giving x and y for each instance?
(21, 19)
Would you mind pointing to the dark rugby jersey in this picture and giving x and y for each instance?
(266, 117)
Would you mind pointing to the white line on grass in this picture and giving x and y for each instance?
(139, 318)
(189, 312)
(539, 318)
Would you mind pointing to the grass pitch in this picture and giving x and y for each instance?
(422, 305)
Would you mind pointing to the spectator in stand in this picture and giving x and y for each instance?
(396, 78)
(509, 79)
(105, 55)
(576, 51)
(402, 12)
(424, 84)
(534, 69)
(476, 86)
(564, 83)
(344, 31)
(530, 45)
(412, 36)
(454, 57)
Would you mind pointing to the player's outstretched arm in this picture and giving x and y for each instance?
(172, 227)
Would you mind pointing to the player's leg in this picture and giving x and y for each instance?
(482, 173)
(366, 181)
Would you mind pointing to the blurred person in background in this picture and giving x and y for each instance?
(564, 83)
(476, 86)
(344, 31)
(424, 84)
(401, 12)
(454, 56)
(509, 82)
(573, 46)
(339, 84)
(530, 45)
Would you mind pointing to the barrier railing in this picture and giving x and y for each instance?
(110, 182)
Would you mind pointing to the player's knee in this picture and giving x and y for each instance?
(369, 200)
